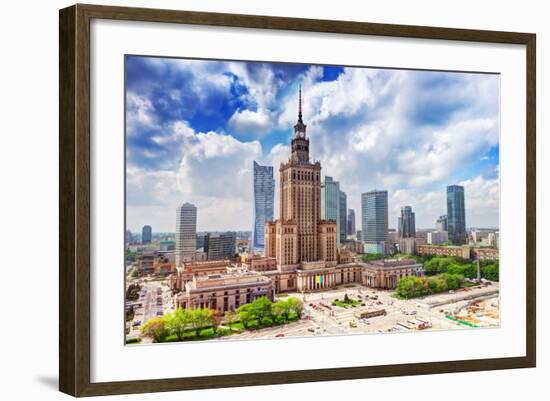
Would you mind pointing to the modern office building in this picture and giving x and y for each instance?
(220, 245)
(351, 222)
(441, 223)
(406, 227)
(330, 203)
(264, 196)
(343, 219)
(186, 233)
(146, 234)
(374, 220)
(456, 215)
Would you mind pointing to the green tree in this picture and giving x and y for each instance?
(201, 318)
(231, 317)
(132, 293)
(281, 310)
(155, 328)
(296, 306)
(245, 315)
(437, 284)
(490, 272)
(179, 321)
(412, 287)
(261, 308)
(453, 281)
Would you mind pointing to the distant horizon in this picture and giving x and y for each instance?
(194, 128)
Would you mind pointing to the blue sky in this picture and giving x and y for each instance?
(194, 127)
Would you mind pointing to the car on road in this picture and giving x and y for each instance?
(311, 330)
(280, 335)
(353, 323)
(160, 313)
(136, 323)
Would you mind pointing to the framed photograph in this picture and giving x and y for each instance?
(250, 200)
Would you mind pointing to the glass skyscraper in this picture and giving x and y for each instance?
(146, 234)
(343, 219)
(351, 222)
(406, 227)
(330, 203)
(374, 220)
(456, 214)
(264, 195)
(220, 245)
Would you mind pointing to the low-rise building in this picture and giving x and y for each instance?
(463, 251)
(145, 263)
(224, 292)
(485, 253)
(387, 273)
(189, 270)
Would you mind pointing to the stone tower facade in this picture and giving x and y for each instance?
(300, 235)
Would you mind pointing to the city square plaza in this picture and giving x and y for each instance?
(321, 318)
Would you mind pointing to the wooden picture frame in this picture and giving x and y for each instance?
(75, 207)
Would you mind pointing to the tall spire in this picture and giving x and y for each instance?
(300, 104)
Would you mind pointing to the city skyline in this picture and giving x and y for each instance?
(413, 152)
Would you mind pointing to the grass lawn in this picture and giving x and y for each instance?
(346, 303)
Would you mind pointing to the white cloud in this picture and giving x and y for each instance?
(140, 113)
(246, 121)
(371, 129)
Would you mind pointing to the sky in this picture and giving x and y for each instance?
(194, 128)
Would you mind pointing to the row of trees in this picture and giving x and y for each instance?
(448, 264)
(413, 287)
(185, 323)
(265, 312)
(181, 322)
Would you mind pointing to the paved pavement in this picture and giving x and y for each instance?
(150, 304)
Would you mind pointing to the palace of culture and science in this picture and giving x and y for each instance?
(301, 252)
